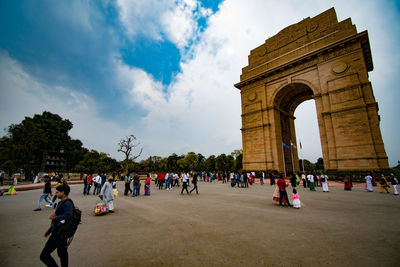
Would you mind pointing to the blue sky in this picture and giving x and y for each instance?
(164, 70)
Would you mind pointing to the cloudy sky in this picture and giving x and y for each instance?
(164, 70)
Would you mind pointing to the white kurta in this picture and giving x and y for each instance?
(368, 180)
(108, 196)
(325, 186)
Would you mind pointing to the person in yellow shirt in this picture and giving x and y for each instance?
(384, 185)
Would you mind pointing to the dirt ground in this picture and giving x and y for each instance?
(222, 226)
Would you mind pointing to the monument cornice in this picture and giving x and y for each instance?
(361, 37)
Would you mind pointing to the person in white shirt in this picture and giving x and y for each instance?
(324, 180)
(185, 180)
(310, 178)
(368, 180)
(166, 180)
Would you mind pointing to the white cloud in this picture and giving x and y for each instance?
(173, 20)
(141, 87)
(22, 95)
(201, 111)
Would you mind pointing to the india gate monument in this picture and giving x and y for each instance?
(322, 59)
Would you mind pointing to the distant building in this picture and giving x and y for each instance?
(54, 161)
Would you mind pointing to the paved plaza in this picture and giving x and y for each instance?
(222, 226)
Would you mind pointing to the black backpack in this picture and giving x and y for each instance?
(68, 229)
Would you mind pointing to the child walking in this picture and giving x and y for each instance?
(296, 200)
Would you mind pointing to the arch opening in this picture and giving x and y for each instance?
(286, 101)
(307, 132)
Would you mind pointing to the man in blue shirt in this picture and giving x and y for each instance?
(62, 213)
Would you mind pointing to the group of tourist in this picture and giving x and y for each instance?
(280, 194)
(97, 182)
(168, 180)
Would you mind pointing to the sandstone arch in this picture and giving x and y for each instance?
(322, 59)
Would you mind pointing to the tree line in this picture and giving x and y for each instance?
(24, 145)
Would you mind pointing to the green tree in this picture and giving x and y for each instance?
(238, 158)
(172, 162)
(220, 162)
(96, 162)
(200, 165)
(236, 153)
(210, 163)
(163, 164)
(189, 162)
(230, 163)
(308, 166)
(319, 165)
(25, 143)
(150, 164)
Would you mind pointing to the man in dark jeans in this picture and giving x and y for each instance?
(194, 182)
(282, 191)
(63, 212)
(127, 180)
(272, 179)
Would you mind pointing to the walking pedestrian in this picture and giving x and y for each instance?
(384, 184)
(184, 183)
(347, 183)
(271, 179)
(310, 178)
(394, 182)
(282, 191)
(296, 199)
(324, 181)
(194, 182)
(147, 185)
(262, 178)
(62, 213)
(293, 179)
(136, 184)
(107, 195)
(89, 183)
(127, 181)
(368, 180)
(45, 194)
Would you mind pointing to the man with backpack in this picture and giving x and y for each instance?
(60, 220)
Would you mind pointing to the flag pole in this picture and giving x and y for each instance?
(284, 164)
(291, 152)
(302, 160)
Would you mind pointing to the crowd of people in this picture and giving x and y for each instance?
(105, 188)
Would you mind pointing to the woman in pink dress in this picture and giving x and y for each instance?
(296, 200)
